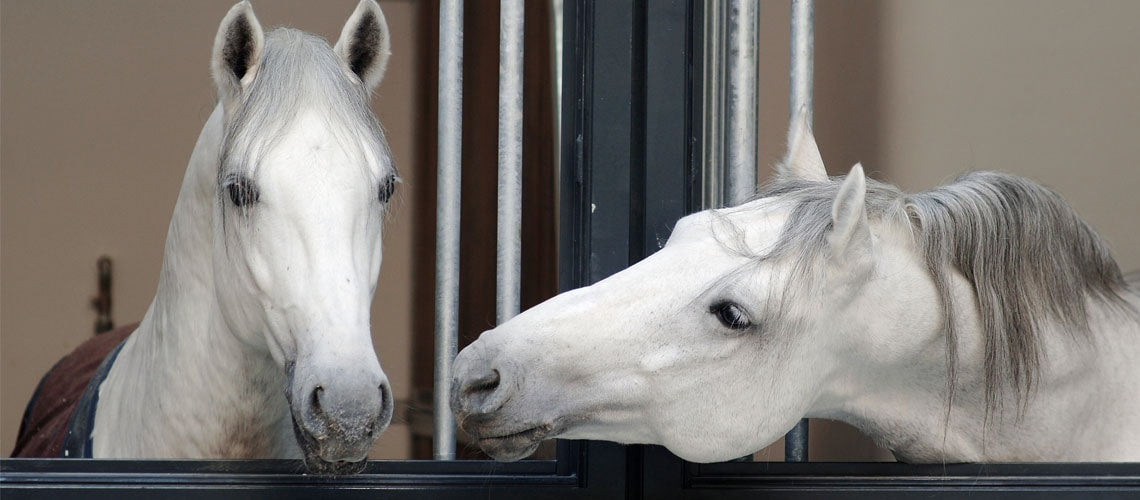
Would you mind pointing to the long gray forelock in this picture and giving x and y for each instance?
(1028, 256)
(298, 71)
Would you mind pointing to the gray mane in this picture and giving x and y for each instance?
(298, 72)
(1028, 256)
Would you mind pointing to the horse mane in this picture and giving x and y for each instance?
(1028, 256)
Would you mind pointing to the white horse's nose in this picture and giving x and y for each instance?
(345, 413)
(478, 385)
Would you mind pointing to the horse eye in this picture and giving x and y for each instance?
(387, 187)
(730, 315)
(242, 192)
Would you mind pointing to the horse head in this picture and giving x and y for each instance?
(747, 320)
(304, 180)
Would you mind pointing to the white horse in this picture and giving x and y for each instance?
(258, 342)
(979, 321)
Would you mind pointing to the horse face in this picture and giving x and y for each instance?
(303, 240)
(713, 347)
(301, 199)
(680, 349)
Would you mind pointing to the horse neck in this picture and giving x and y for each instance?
(182, 371)
(1082, 408)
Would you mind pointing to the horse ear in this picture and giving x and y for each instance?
(850, 231)
(365, 44)
(803, 160)
(237, 50)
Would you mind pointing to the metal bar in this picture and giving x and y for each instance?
(556, 34)
(450, 142)
(802, 59)
(800, 100)
(741, 100)
(509, 253)
(712, 121)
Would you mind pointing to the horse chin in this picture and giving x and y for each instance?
(311, 452)
(514, 446)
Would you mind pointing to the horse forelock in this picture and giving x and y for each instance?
(1029, 258)
(299, 72)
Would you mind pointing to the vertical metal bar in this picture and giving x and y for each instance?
(509, 253)
(450, 142)
(712, 121)
(802, 59)
(800, 99)
(556, 21)
(741, 100)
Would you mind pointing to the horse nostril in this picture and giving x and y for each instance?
(485, 384)
(315, 400)
(479, 387)
(386, 400)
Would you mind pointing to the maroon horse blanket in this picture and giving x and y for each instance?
(52, 410)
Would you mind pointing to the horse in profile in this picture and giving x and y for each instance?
(258, 341)
(979, 321)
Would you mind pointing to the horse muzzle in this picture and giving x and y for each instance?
(336, 421)
(480, 390)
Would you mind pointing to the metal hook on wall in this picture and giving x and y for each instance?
(102, 301)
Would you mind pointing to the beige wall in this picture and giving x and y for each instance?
(98, 117)
(101, 104)
(1045, 89)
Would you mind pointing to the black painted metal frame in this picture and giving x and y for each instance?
(630, 169)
